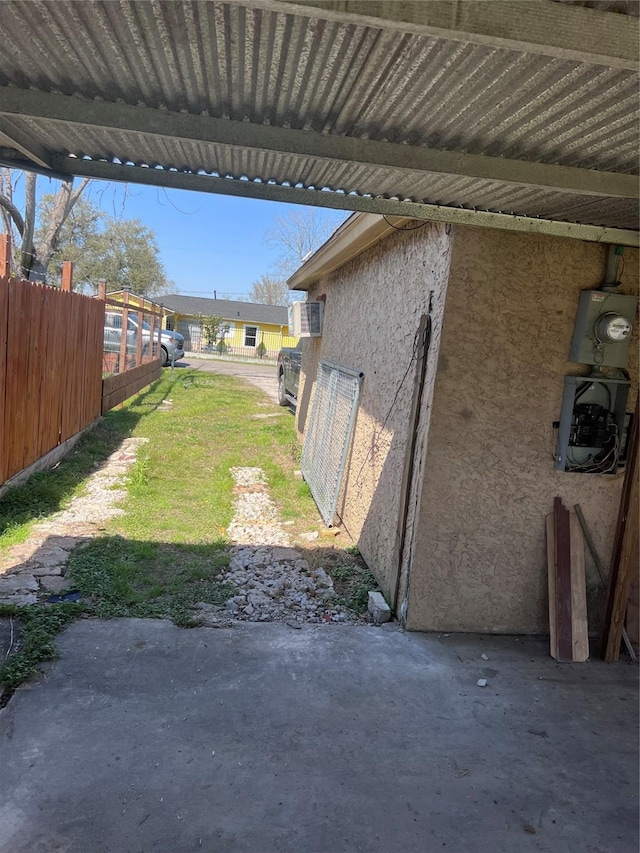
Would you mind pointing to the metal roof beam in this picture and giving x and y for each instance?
(204, 129)
(12, 160)
(339, 201)
(29, 148)
(527, 26)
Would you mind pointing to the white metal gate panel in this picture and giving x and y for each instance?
(328, 436)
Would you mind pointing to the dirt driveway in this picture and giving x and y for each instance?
(263, 376)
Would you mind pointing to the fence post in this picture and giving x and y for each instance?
(160, 330)
(67, 276)
(139, 341)
(102, 296)
(123, 340)
(5, 255)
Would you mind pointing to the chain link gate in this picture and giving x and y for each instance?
(326, 443)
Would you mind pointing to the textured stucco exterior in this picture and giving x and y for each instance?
(372, 312)
(503, 312)
(479, 554)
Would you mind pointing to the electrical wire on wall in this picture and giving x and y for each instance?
(406, 227)
(414, 357)
(602, 462)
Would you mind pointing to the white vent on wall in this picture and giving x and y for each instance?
(306, 319)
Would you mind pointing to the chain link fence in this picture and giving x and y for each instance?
(244, 341)
(328, 436)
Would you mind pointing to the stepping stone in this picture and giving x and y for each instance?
(20, 600)
(48, 571)
(283, 554)
(10, 565)
(66, 543)
(49, 556)
(54, 584)
(12, 584)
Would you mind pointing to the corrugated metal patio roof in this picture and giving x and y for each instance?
(433, 110)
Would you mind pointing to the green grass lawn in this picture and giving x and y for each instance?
(169, 549)
(181, 488)
(167, 552)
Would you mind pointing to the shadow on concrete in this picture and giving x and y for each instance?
(329, 738)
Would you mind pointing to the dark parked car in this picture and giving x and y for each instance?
(289, 361)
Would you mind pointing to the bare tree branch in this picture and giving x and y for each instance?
(6, 190)
(269, 291)
(76, 195)
(298, 233)
(11, 210)
(27, 255)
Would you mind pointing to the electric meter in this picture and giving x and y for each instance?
(602, 333)
(612, 328)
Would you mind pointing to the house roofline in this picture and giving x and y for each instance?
(356, 235)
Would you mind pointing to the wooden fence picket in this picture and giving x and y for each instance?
(51, 363)
(51, 345)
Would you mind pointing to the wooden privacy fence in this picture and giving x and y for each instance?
(50, 367)
(52, 362)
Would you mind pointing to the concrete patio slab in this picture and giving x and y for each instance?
(258, 738)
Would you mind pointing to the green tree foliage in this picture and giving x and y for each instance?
(211, 327)
(123, 252)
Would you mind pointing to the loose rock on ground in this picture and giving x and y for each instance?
(274, 582)
(37, 567)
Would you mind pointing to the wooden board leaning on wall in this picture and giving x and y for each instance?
(568, 626)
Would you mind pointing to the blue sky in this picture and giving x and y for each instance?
(207, 242)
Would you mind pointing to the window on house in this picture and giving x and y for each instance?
(250, 335)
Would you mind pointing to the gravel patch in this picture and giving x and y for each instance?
(274, 582)
(37, 567)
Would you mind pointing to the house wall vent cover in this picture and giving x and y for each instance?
(306, 319)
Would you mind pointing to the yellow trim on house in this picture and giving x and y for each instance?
(236, 337)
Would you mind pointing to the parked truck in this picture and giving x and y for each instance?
(288, 366)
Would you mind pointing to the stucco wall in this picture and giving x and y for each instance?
(372, 313)
(479, 554)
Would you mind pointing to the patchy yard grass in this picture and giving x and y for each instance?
(180, 489)
(121, 577)
(36, 628)
(352, 579)
(50, 491)
(167, 552)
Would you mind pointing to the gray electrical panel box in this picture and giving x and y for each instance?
(602, 332)
(591, 432)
